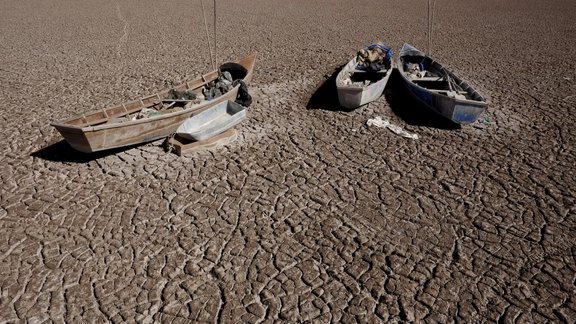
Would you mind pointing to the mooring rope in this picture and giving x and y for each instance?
(215, 48)
(430, 24)
(212, 60)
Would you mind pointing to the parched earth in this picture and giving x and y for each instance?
(309, 215)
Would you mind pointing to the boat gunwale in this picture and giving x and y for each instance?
(347, 68)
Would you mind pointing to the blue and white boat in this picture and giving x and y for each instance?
(437, 88)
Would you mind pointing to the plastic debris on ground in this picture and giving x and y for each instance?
(384, 123)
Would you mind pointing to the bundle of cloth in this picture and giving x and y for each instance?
(375, 57)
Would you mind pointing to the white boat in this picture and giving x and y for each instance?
(358, 87)
(213, 121)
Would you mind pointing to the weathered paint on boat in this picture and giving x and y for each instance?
(212, 121)
(355, 96)
(97, 131)
(460, 111)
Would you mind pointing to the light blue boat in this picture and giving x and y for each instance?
(352, 94)
(212, 121)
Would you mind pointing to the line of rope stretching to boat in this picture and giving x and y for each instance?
(212, 60)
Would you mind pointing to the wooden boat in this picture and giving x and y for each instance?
(438, 88)
(116, 126)
(212, 121)
(358, 87)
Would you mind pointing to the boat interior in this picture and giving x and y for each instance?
(161, 102)
(435, 78)
(367, 76)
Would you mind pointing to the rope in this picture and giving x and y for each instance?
(170, 146)
(215, 49)
(212, 60)
(430, 24)
(428, 27)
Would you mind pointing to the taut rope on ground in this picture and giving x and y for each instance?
(215, 48)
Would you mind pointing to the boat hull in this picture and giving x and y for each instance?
(458, 111)
(88, 137)
(351, 97)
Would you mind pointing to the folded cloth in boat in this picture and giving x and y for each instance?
(384, 48)
(183, 95)
(146, 113)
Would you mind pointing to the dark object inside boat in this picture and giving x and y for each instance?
(182, 95)
(236, 70)
(366, 76)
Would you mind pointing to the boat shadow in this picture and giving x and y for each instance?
(410, 109)
(326, 96)
(62, 152)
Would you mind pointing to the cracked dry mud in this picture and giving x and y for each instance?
(308, 215)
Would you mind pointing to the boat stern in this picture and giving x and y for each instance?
(467, 113)
(75, 137)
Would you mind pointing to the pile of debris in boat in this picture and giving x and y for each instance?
(370, 62)
(211, 91)
(364, 78)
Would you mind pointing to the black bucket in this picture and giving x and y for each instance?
(236, 70)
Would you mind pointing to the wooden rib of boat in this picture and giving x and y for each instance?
(358, 87)
(439, 89)
(212, 121)
(115, 126)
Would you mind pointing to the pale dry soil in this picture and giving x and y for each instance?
(309, 215)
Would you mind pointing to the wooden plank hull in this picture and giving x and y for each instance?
(355, 96)
(94, 132)
(460, 111)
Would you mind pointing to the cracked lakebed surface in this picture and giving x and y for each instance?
(309, 215)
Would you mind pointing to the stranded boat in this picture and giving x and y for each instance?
(439, 89)
(151, 117)
(212, 121)
(364, 78)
